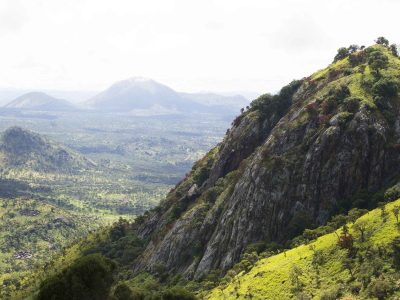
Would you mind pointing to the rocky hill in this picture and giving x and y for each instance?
(23, 149)
(40, 102)
(322, 145)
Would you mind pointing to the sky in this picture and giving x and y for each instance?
(191, 45)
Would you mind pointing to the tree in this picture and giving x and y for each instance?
(394, 50)
(382, 41)
(123, 292)
(353, 48)
(345, 240)
(396, 253)
(377, 61)
(396, 210)
(361, 227)
(177, 293)
(380, 288)
(348, 264)
(384, 213)
(355, 213)
(89, 277)
(294, 276)
(342, 52)
(386, 88)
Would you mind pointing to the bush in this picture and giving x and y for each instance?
(377, 60)
(342, 52)
(396, 253)
(392, 193)
(177, 293)
(355, 287)
(332, 294)
(385, 88)
(123, 292)
(357, 58)
(352, 104)
(276, 104)
(393, 49)
(300, 221)
(382, 41)
(380, 288)
(89, 277)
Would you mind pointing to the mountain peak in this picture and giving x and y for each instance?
(41, 102)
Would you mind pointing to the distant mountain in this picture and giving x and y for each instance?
(40, 102)
(145, 96)
(138, 94)
(23, 149)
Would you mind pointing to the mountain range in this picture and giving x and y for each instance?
(137, 96)
(145, 96)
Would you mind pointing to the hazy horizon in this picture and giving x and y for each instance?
(214, 46)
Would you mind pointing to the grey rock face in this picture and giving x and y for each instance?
(269, 169)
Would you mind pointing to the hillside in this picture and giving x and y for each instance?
(40, 102)
(144, 97)
(325, 268)
(289, 162)
(23, 149)
(290, 168)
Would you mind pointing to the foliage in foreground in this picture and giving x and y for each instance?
(361, 260)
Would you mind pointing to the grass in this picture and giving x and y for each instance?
(269, 277)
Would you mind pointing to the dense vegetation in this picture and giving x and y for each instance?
(360, 260)
(48, 202)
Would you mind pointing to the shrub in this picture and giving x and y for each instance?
(396, 253)
(393, 49)
(357, 58)
(311, 108)
(392, 193)
(342, 52)
(345, 240)
(353, 48)
(328, 106)
(300, 221)
(385, 88)
(377, 60)
(382, 41)
(339, 93)
(177, 293)
(348, 71)
(332, 294)
(352, 104)
(355, 287)
(380, 288)
(123, 292)
(89, 277)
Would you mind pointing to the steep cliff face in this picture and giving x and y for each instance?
(289, 161)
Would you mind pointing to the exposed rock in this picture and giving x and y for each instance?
(29, 212)
(290, 155)
(23, 255)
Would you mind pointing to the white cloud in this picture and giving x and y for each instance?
(190, 45)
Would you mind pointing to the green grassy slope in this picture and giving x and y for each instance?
(270, 278)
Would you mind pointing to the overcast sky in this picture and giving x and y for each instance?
(202, 45)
